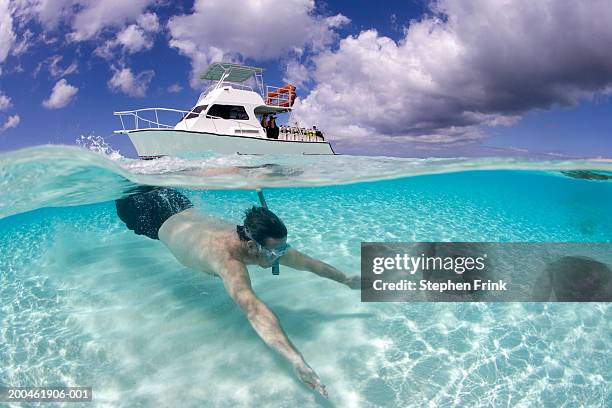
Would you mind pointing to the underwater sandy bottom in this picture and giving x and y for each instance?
(85, 302)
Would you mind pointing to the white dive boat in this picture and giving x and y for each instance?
(227, 119)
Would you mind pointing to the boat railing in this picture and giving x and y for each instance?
(142, 121)
(277, 96)
(151, 121)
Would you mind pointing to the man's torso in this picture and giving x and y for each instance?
(197, 241)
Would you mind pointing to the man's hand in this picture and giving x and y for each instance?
(308, 376)
(353, 282)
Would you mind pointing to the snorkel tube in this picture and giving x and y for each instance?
(262, 200)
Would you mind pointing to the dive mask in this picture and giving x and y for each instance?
(271, 255)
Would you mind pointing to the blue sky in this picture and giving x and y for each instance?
(409, 78)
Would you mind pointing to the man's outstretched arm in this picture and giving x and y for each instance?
(297, 260)
(266, 324)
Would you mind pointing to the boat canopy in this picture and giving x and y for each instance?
(235, 72)
(270, 109)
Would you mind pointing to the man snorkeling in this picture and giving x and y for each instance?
(218, 248)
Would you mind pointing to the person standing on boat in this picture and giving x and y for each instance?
(264, 123)
(211, 245)
(272, 128)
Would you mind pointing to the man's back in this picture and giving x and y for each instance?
(198, 241)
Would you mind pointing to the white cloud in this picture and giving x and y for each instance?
(261, 30)
(463, 65)
(148, 22)
(61, 95)
(337, 21)
(127, 23)
(7, 36)
(97, 15)
(296, 74)
(24, 43)
(133, 38)
(5, 104)
(175, 88)
(48, 12)
(56, 70)
(78, 13)
(5, 101)
(11, 122)
(85, 18)
(140, 36)
(134, 85)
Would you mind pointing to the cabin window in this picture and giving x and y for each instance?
(196, 111)
(235, 112)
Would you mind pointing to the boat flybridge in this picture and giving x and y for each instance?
(229, 117)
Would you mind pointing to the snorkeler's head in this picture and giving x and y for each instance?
(261, 224)
(265, 235)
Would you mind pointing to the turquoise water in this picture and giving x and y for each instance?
(85, 302)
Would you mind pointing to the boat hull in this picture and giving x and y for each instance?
(150, 143)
